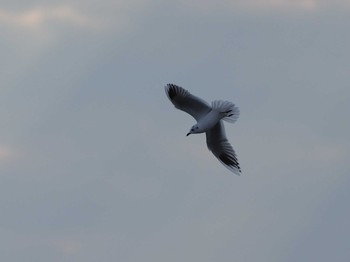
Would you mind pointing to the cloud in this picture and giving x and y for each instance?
(6, 153)
(40, 16)
(269, 5)
(67, 246)
(281, 4)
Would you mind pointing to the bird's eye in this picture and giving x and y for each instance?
(197, 127)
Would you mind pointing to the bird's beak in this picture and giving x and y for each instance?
(188, 134)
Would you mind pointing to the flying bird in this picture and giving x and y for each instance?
(209, 121)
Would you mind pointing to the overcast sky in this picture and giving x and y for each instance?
(94, 161)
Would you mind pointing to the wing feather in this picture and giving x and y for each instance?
(218, 144)
(185, 101)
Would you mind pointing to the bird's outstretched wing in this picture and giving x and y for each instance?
(218, 144)
(185, 101)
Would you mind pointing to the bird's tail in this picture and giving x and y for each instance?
(228, 110)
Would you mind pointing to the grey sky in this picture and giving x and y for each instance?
(94, 161)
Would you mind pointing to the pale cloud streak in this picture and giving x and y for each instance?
(281, 4)
(268, 5)
(67, 246)
(39, 16)
(6, 153)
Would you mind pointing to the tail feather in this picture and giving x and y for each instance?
(229, 111)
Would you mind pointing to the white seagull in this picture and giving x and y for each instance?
(209, 121)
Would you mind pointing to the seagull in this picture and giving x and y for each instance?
(209, 121)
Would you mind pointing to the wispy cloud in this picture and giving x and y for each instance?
(40, 16)
(269, 5)
(6, 153)
(67, 246)
(280, 4)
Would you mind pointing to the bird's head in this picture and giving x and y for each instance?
(194, 130)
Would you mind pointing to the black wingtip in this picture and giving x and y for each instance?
(172, 92)
(229, 161)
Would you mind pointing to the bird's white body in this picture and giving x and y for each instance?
(207, 122)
